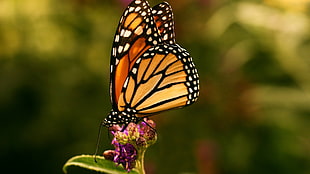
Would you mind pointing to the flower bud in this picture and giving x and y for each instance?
(109, 154)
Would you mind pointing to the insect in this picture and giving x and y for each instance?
(150, 73)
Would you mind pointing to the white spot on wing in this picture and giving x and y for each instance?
(131, 9)
(134, 70)
(127, 33)
(116, 61)
(126, 82)
(120, 49)
(114, 51)
(126, 47)
(137, 9)
(138, 61)
(165, 37)
(126, 12)
(116, 38)
(122, 32)
(139, 30)
(149, 31)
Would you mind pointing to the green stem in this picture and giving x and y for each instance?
(140, 162)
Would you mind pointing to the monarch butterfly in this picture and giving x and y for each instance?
(150, 73)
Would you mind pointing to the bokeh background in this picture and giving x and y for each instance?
(253, 59)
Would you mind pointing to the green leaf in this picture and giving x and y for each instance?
(102, 165)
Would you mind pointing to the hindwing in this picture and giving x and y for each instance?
(163, 78)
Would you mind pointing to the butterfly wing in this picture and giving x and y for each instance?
(135, 34)
(163, 17)
(163, 78)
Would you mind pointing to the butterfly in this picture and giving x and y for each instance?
(150, 72)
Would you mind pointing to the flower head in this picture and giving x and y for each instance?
(126, 155)
(131, 143)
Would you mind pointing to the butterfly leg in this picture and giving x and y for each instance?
(144, 120)
(124, 127)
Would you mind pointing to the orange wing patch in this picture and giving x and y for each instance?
(170, 58)
(160, 96)
(153, 65)
(142, 68)
(132, 21)
(177, 77)
(145, 89)
(120, 76)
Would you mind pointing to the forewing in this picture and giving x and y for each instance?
(163, 78)
(135, 33)
(163, 16)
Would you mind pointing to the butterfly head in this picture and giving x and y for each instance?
(119, 117)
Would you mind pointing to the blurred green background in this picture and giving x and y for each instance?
(253, 59)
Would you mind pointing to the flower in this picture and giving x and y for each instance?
(125, 155)
(130, 144)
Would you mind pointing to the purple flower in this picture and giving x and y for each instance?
(125, 155)
(131, 143)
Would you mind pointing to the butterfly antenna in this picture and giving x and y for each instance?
(98, 142)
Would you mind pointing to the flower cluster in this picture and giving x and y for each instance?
(131, 143)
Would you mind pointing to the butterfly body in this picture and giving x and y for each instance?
(150, 73)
